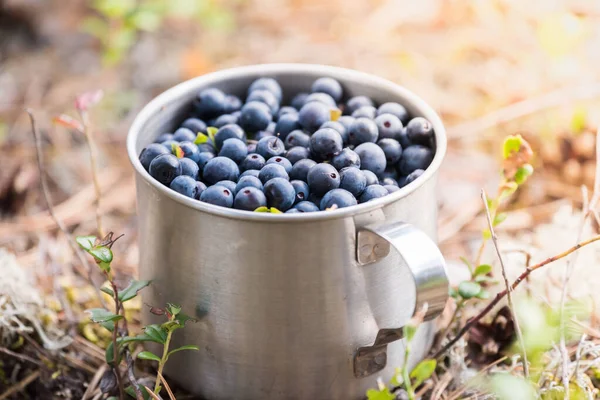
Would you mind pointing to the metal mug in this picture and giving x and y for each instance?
(289, 306)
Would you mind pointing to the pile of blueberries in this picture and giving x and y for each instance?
(298, 158)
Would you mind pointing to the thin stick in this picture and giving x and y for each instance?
(20, 356)
(131, 376)
(87, 131)
(94, 382)
(459, 391)
(151, 393)
(167, 387)
(506, 284)
(516, 283)
(46, 193)
(20, 386)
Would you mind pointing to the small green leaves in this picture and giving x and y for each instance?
(271, 210)
(146, 355)
(131, 392)
(482, 269)
(212, 131)
(183, 318)
(512, 144)
(186, 347)
(486, 234)
(108, 291)
(173, 309)
(483, 294)
(453, 293)
(423, 371)
(86, 242)
(384, 394)
(523, 173)
(108, 325)
(156, 333)
(409, 332)
(499, 218)
(102, 315)
(468, 289)
(132, 290)
(335, 114)
(201, 138)
(176, 149)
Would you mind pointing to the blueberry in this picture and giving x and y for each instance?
(404, 140)
(346, 121)
(321, 98)
(297, 138)
(252, 161)
(184, 135)
(225, 119)
(210, 103)
(314, 114)
(271, 171)
(250, 172)
(390, 172)
(322, 178)
(217, 195)
(346, 158)
(357, 102)
(189, 168)
(353, 180)
(255, 117)
(200, 187)
(365, 112)
(263, 134)
(286, 124)
(372, 157)
(227, 132)
(326, 143)
(362, 130)
(234, 149)
(249, 198)
(373, 192)
(316, 200)
(395, 109)
(269, 84)
(163, 137)
(190, 150)
(164, 168)
(341, 129)
(248, 181)
(231, 185)
(251, 146)
(371, 177)
(280, 193)
(195, 125)
(296, 154)
(301, 168)
(232, 104)
(391, 188)
(412, 176)
(302, 190)
(220, 169)
(169, 144)
(338, 197)
(270, 147)
(271, 127)
(413, 158)
(389, 126)
(185, 185)
(306, 206)
(205, 157)
(392, 150)
(420, 131)
(207, 148)
(284, 162)
(293, 211)
(264, 96)
(286, 110)
(329, 86)
(150, 152)
(389, 182)
(299, 100)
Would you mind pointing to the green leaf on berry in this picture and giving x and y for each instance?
(335, 114)
(146, 355)
(201, 138)
(102, 315)
(212, 131)
(132, 290)
(468, 289)
(86, 242)
(271, 210)
(173, 309)
(176, 149)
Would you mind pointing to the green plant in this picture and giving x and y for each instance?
(115, 321)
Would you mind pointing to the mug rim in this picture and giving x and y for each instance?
(265, 70)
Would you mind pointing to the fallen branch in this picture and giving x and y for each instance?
(20, 386)
(20, 356)
(503, 293)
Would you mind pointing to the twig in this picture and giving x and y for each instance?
(530, 106)
(167, 387)
(20, 356)
(114, 337)
(94, 382)
(20, 386)
(87, 131)
(459, 391)
(151, 393)
(46, 193)
(516, 283)
(131, 375)
(508, 289)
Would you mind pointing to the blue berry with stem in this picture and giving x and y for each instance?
(252, 161)
(337, 198)
(270, 147)
(297, 138)
(164, 168)
(286, 124)
(302, 190)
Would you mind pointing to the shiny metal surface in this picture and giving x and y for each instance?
(282, 302)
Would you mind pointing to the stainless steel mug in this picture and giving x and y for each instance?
(289, 306)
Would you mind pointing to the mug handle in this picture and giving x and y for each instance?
(428, 270)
